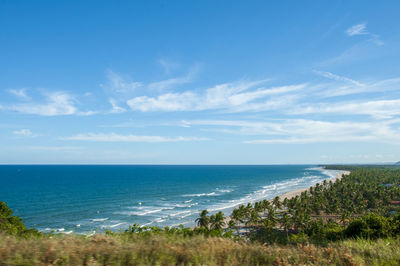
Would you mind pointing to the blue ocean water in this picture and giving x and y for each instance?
(92, 198)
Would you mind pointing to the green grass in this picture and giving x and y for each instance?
(179, 250)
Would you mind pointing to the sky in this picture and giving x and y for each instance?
(199, 82)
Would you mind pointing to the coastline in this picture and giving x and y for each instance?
(297, 192)
(293, 193)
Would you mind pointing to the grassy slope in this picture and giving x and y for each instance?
(161, 250)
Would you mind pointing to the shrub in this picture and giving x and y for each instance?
(11, 224)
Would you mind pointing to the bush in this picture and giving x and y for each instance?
(356, 228)
(11, 224)
(370, 226)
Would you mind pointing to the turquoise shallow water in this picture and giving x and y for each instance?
(89, 198)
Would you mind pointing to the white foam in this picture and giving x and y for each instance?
(217, 192)
(99, 220)
(178, 213)
(270, 191)
(145, 211)
(113, 225)
(159, 220)
(201, 195)
(116, 225)
(177, 205)
(224, 190)
(143, 225)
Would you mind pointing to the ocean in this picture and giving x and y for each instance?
(92, 198)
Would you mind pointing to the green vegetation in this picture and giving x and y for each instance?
(13, 225)
(352, 221)
(358, 205)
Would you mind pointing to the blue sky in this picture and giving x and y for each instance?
(199, 82)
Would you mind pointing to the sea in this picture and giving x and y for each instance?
(86, 199)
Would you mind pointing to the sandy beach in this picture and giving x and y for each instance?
(293, 193)
(297, 192)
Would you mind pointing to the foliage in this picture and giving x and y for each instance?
(13, 225)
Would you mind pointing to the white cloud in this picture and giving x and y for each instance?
(359, 29)
(171, 82)
(307, 131)
(115, 108)
(233, 96)
(112, 137)
(119, 84)
(23, 132)
(58, 103)
(165, 84)
(330, 75)
(54, 148)
(377, 109)
(165, 102)
(21, 93)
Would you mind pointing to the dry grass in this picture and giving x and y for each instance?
(161, 250)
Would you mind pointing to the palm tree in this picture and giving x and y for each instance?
(254, 218)
(203, 220)
(271, 216)
(277, 202)
(217, 220)
(285, 222)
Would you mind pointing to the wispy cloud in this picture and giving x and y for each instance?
(123, 85)
(171, 82)
(57, 103)
(23, 132)
(235, 96)
(20, 93)
(359, 29)
(330, 75)
(119, 84)
(285, 131)
(116, 109)
(378, 109)
(54, 148)
(113, 137)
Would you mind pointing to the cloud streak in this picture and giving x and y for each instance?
(359, 29)
(113, 137)
(330, 75)
(23, 132)
(379, 109)
(119, 84)
(230, 96)
(302, 131)
(20, 93)
(57, 103)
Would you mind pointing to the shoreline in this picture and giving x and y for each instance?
(293, 193)
(297, 192)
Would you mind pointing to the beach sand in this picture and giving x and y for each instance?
(297, 192)
(292, 194)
